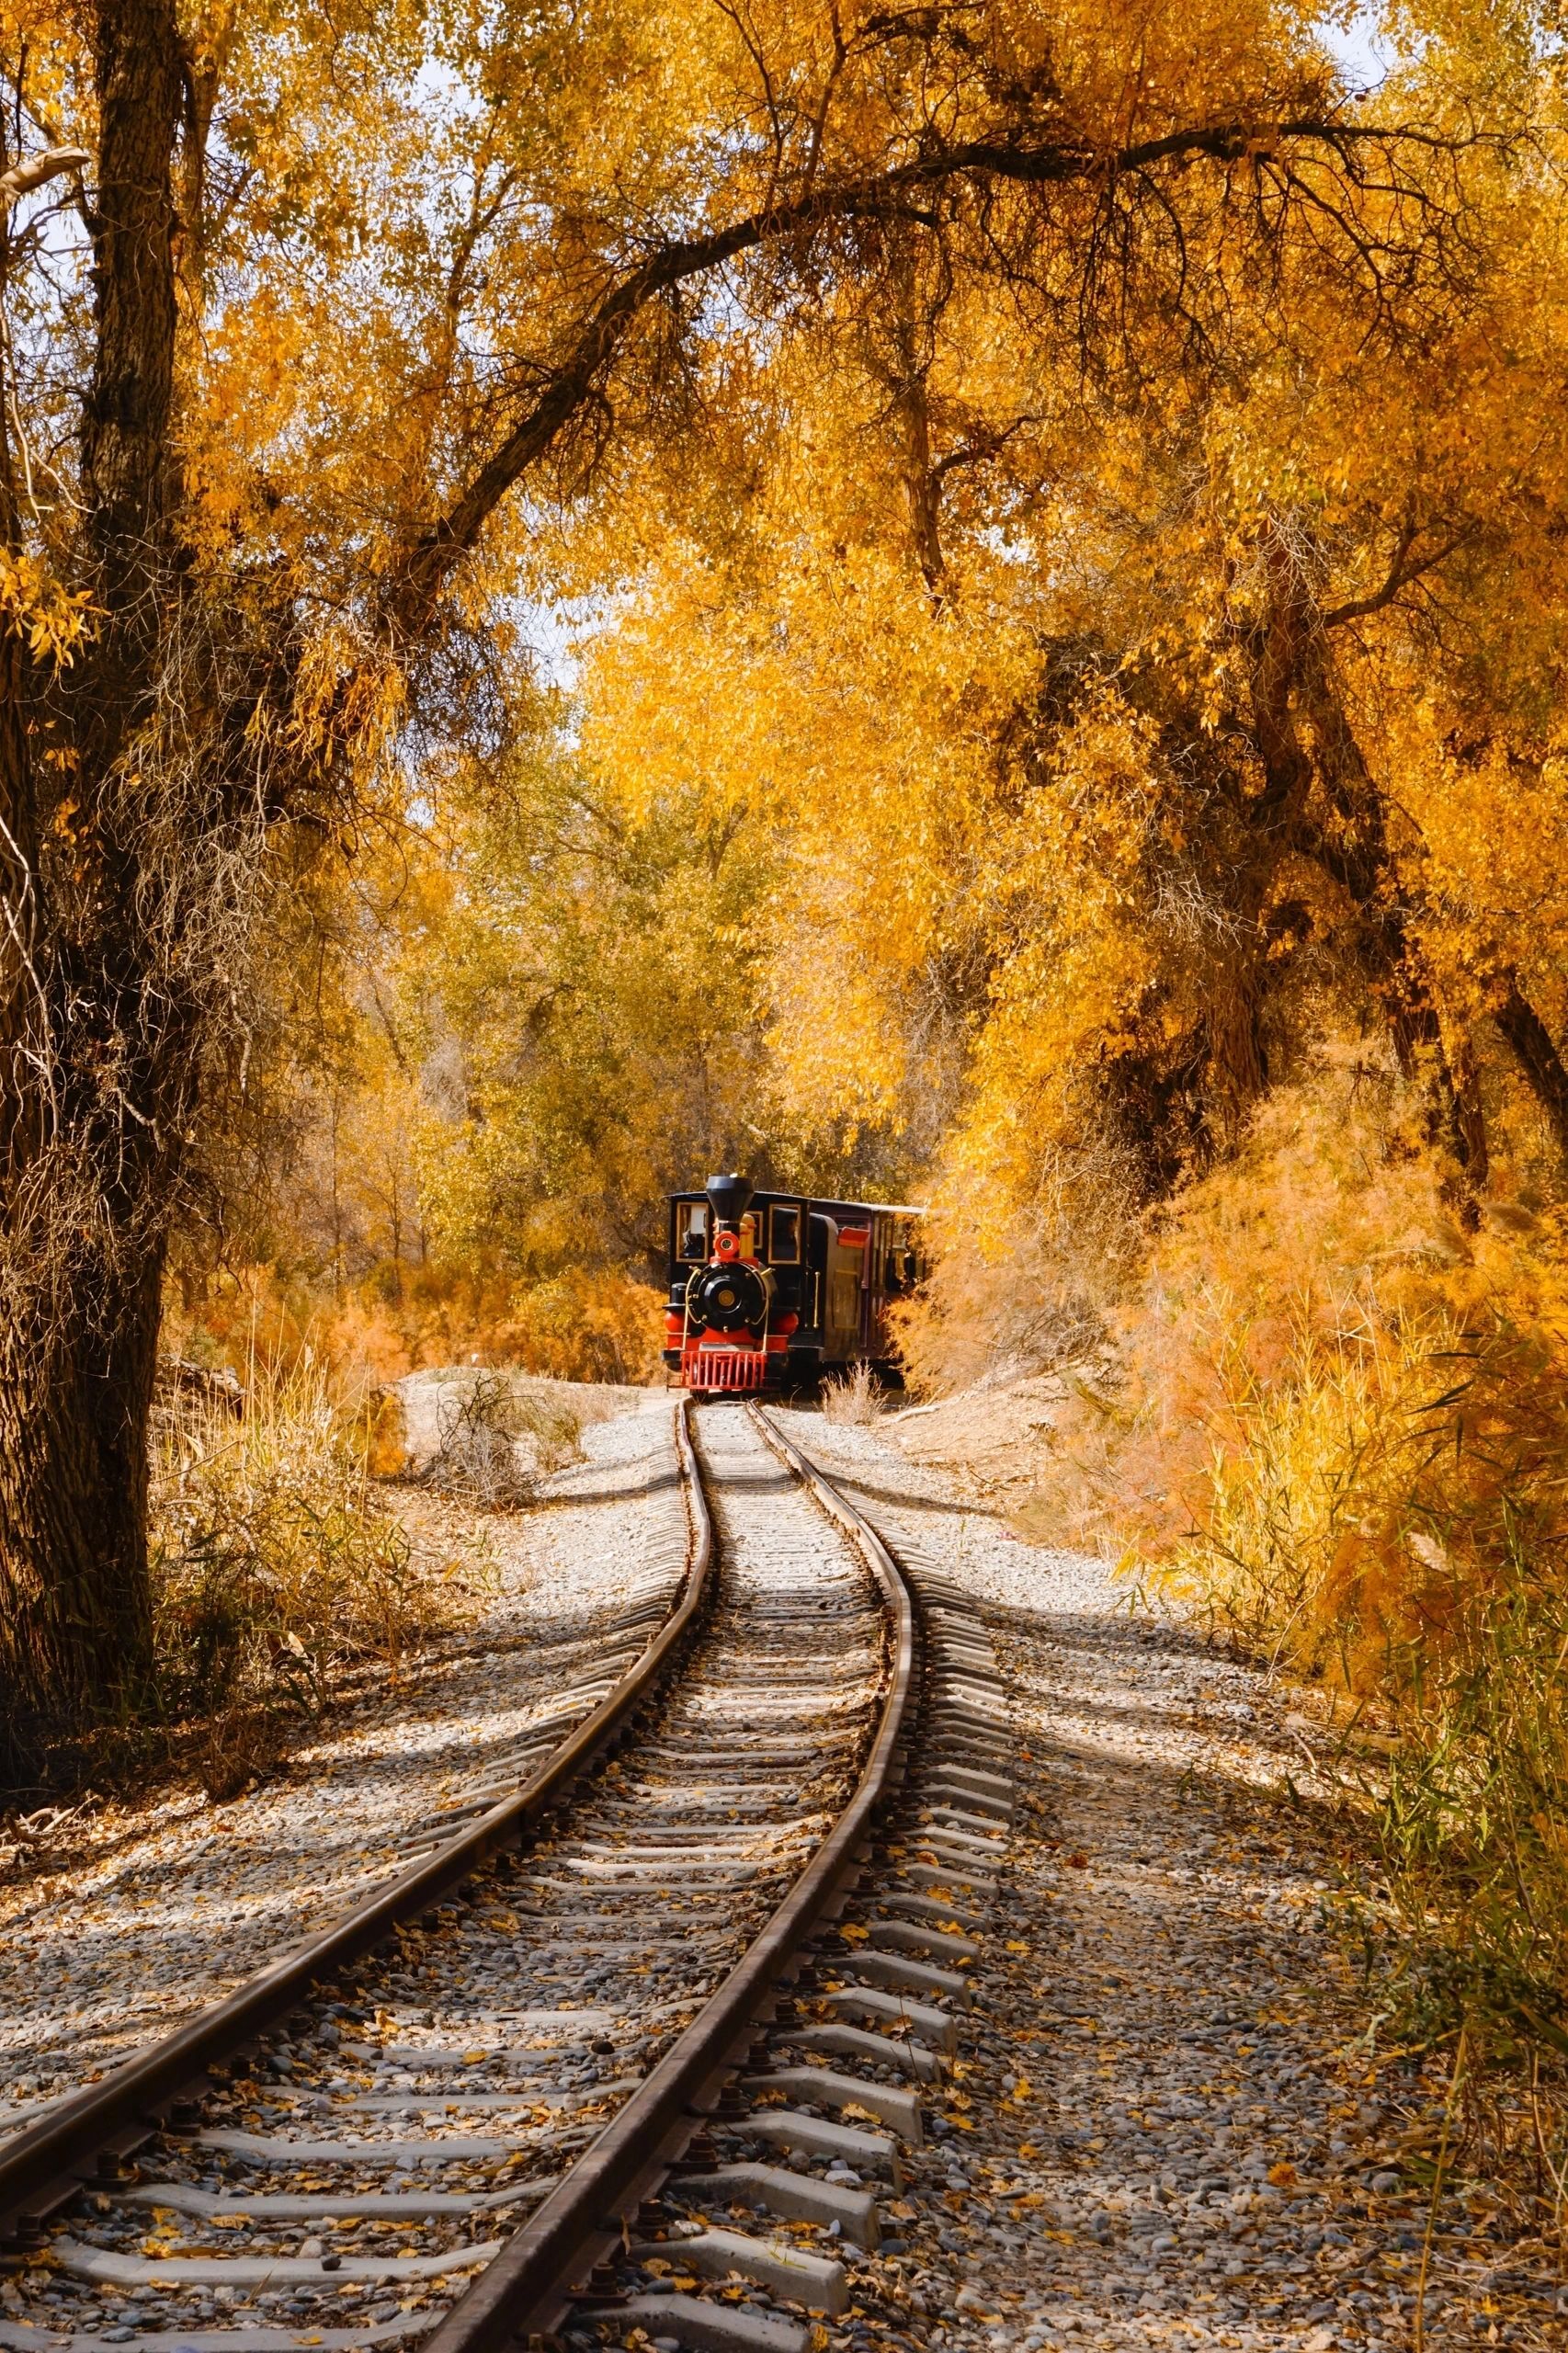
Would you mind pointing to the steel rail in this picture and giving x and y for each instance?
(36, 2164)
(527, 2288)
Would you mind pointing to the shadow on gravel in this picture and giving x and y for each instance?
(927, 1506)
(454, 1710)
(616, 1490)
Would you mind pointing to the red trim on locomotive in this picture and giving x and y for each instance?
(723, 1367)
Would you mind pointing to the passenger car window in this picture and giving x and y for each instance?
(691, 1228)
(784, 1237)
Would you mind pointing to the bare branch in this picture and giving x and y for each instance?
(37, 171)
(1402, 574)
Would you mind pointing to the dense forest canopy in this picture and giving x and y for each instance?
(1052, 524)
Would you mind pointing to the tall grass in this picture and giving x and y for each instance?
(1475, 1817)
(275, 1562)
(1372, 1482)
(853, 1398)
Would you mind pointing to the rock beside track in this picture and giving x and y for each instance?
(1175, 2133)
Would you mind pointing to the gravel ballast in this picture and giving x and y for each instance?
(158, 1907)
(1178, 2129)
(1173, 2123)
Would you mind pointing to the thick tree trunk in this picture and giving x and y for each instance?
(99, 1062)
(1395, 960)
(75, 1616)
(1537, 1057)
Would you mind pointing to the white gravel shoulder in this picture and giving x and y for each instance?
(1183, 2128)
(163, 1905)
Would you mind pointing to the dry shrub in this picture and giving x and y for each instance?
(275, 1565)
(852, 1399)
(1008, 1298)
(1310, 1329)
(239, 1745)
(1337, 1425)
(589, 1324)
(495, 1437)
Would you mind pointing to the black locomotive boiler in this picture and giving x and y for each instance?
(769, 1290)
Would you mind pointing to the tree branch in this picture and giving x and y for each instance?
(1401, 575)
(38, 170)
(417, 580)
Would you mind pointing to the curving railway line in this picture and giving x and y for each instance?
(636, 2047)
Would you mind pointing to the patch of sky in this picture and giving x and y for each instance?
(554, 631)
(1358, 42)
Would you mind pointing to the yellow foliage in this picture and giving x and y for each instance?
(39, 608)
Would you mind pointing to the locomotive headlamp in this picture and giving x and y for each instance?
(726, 1246)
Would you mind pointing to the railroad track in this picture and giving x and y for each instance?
(470, 1724)
(698, 1967)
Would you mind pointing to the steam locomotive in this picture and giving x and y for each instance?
(769, 1290)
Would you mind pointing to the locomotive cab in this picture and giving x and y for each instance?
(767, 1290)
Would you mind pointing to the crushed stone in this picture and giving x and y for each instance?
(156, 1906)
(1176, 2130)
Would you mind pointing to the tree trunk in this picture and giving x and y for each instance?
(100, 1066)
(1354, 848)
(74, 1610)
(1537, 1057)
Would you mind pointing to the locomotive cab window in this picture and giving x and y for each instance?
(784, 1236)
(691, 1230)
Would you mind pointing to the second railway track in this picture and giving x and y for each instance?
(526, 2089)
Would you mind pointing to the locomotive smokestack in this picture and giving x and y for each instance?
(729, 1197)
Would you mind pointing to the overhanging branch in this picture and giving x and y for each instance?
(416, 581)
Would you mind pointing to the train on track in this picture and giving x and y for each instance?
(767, 1291)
